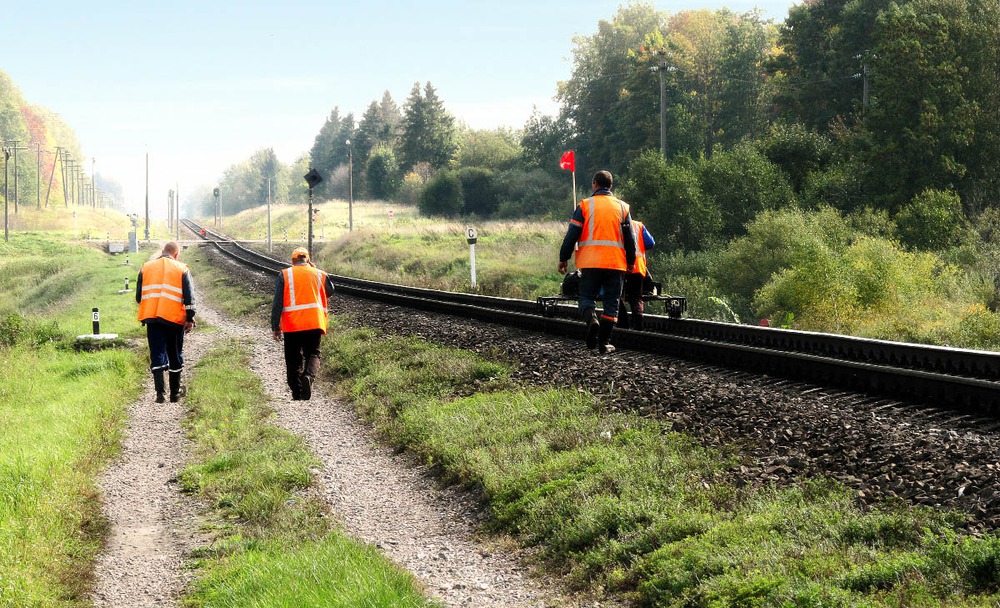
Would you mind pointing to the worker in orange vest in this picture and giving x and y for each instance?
(298, 314)
(165, 296)
(601, 231)
(636, 279)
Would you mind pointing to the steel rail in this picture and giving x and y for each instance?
(913, 372)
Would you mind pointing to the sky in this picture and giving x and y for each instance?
(199, 85)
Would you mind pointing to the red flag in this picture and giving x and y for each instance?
(568, 161)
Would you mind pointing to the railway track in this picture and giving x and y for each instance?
(963, 380)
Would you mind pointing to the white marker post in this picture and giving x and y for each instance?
(470, 236)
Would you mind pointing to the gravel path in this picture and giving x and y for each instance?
(380, 498)
(153, 526)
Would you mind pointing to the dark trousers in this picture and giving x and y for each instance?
(166, 346)
(301, 357)
(595, 280)
(632, 295)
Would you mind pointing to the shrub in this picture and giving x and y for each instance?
(775, 241)
(797, 151)
(479, 191)
(741, 183)
(382, 173)
(533, 194)
(15, 330)
(669, 199)
(932, 220)
(442, 196)
(410, 190)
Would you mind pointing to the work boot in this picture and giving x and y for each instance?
(623, 317)
(176, 390)
(590, 318)
(604, 336)
(158, 385)
(305, 392)
(638, 311)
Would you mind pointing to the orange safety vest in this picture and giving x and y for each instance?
(304, 303)
(163, 290)
(601, 244)
(640, 249)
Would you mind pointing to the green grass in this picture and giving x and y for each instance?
(61, 415)
(222, 291)
(621, 504)
(275, 544)
(62, 283)
(513, 259)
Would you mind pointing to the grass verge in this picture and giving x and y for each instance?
(61, 414)
(274, 544)
(620, 504)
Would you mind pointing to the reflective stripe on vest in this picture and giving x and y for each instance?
(304, 303)
(163, 291)
(640, 249)
(602, 244)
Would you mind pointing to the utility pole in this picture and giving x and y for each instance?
(81, 190)
(170, 210)
(147, 197)
(52, 176)
(15, 148)
(350, 186)
(663, 102)
(177, 212)
(70, 180)
(215, 194)
(93, 183)
(269, 215)
(38, 175)
(663, 68)
(65, 170)
(6, 198)
(864, 94)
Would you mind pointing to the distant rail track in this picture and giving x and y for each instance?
(963, 380)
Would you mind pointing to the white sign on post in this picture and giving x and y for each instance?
(470, 236)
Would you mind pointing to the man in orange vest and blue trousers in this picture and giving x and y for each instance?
(299, 311)
(636, 279)
(165, 296)
(601, 230)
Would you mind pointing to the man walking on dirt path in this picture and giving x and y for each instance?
(299, 310)
(166, 307)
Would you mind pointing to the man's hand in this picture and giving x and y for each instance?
(562, 267)
(277, 336)
(188, 326)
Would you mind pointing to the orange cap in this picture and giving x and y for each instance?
(300, 253)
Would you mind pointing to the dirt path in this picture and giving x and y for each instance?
(379, 497)
(153, 526)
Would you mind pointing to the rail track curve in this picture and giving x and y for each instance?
(948, 378)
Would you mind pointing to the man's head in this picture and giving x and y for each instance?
(603, 179)
(300, 255)
(171, 249)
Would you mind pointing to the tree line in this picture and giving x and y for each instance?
(43, 161)
(862, 104)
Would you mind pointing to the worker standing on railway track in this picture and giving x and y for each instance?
(165, 296)
(636, 279)
(601, 230)
(299, 311)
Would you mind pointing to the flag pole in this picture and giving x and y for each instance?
(573, 199)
